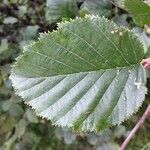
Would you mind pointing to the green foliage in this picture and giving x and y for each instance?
(96, 7)
(144, 38)
(139, 10)
(60, 9)
(10, 20)
(65, 9)
(71, 76)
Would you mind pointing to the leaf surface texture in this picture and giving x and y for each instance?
(86, 75)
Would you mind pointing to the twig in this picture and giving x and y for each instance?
(146, 63)
(135, 129)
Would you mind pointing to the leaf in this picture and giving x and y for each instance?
(145, 39)
(121, 20)
(96, 7)
(29, 32)
(139, 10)
(86, 75)
(22, 11)
(58, 9)
(10, 20)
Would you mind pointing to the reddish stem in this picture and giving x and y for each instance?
(146, 63)
(135, 129)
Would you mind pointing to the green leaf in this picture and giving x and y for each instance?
(139, 10)
(96, 7)
(144, 38)
(56, 10)
(86, 75)
(22, 10)
(29, 32)
(122, 20)
(10, 20)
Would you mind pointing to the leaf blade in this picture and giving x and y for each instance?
(139, 10)
(79, 72)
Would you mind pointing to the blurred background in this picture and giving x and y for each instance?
(21, 21)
